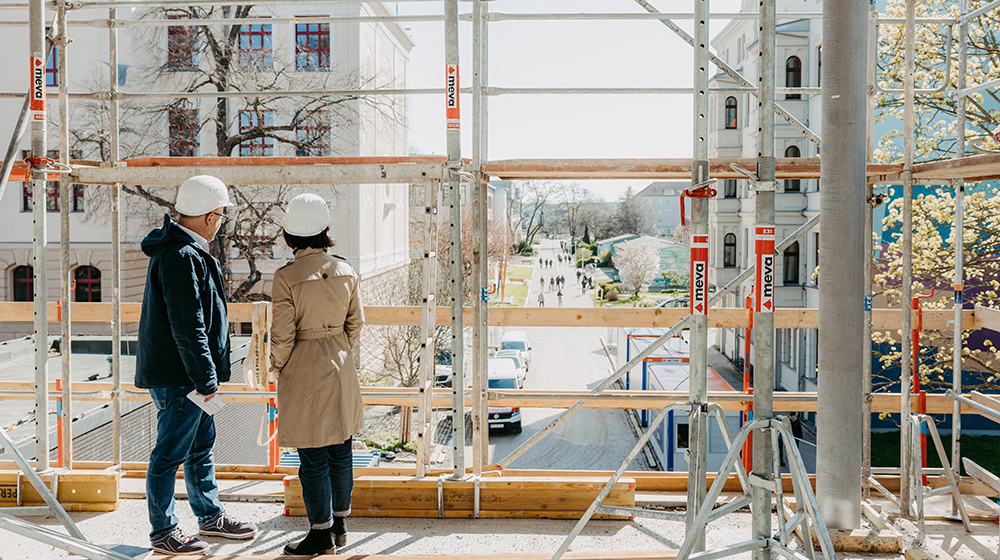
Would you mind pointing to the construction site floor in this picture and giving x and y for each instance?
(260, 502)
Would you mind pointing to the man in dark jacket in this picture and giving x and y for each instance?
(184, 350)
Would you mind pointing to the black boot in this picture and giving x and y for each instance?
(318, 541)
(339, 531)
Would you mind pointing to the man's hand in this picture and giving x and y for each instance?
(208, 397)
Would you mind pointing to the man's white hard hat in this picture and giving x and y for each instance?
(201, 194)
(307, 215)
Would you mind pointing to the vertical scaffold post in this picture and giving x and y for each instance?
(763, 317)
(480, 255)
(866, 354)
(842, 244)
(699, 279)
(427, 328)
(909, 42)
(959, 234)
(453, 117)
(116, 255)
(65, 199)
(36, 32)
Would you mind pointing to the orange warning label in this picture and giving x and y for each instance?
(764, 244)
(699, 275)
(37, 103)
(452, 113)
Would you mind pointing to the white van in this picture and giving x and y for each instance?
(503, 376)
(517, 340)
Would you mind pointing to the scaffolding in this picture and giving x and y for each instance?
(839, 495)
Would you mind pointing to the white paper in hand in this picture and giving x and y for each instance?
(210, 407)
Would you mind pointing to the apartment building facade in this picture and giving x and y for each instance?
(733, 133)
(369, 222)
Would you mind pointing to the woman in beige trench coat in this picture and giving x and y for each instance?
(317, 322)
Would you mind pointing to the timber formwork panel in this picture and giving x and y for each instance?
(500, 497)
(76, 490)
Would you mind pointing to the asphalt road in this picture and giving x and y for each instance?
(567, 358)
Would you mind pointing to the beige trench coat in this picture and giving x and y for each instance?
(317, 322)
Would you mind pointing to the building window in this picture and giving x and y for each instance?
(182, 45)
(88, 283)
(730, 112)
(793, 76)
(24, 284)
(819, 65)
(184, 129)
(52, 68)
(791, 264)
(312, 46)
(250, 121)
(255, 46)
(313, 133)
(77, 198)
(730, 188)
(792, 185)
(729, 250)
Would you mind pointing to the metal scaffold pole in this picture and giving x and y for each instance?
(480, 225)
(958, 237)
(36, 33)
(906, 347)
(65, 199)
(116, 255)
(866, 354)
(453, 118)
(697, 423)
(842, 246)
(763, 322)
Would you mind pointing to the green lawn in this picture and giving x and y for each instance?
(984, 450)
(519, 272)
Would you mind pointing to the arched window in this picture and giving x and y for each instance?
(792, 185)
(791, 264)
(730, 112)
(729, 250)
(24, 284)
(730, 188)
(793, 76)
(88, 283)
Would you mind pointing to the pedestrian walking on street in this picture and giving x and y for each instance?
(541, 299)
(182, 358)
(552, 283)
(577, 275)
(317, 324)
(560, 296)
(541, 283)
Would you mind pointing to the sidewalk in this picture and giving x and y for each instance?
(573, 295)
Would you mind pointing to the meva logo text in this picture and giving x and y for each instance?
(699, 281)
(452, 90)
(767, 267)
(38, 81)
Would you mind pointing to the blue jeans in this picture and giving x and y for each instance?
(327, 477)
(184, 435)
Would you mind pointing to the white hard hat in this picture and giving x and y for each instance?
(200, 195)
(307, 215)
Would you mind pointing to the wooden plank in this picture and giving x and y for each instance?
(981, 167)
(78, 490)
(571, 555)
(11, 311)
(985, 400)
(533, 497)
(988, 318)
(982, 475)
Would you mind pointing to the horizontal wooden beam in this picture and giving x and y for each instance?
(652, 317)
(526, 398)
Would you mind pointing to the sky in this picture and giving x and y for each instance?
(538, 54)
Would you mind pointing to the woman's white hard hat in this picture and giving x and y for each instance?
(307, 215)
(200, 195)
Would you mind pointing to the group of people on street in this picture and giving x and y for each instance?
(546, 263)
(183, 356)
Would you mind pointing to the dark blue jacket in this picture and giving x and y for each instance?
(184, 328)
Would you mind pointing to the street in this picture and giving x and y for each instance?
(567, 358)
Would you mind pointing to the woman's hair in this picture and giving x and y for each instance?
(319, 241)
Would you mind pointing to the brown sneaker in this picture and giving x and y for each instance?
(176, 542)
(227, 527)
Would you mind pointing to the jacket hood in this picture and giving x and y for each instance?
(169, 234)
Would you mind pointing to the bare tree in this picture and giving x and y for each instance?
(630, 216)
(535, 198)
(638, 264)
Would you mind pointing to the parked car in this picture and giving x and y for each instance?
(442, 375)
(520, 367)
(676, 302)
(517, 340)
(502, 376)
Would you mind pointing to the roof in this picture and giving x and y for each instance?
(659, 242)
(665, 188)
(616, 238)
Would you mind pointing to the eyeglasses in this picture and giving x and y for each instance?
(222, 217)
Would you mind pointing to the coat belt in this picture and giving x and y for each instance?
(312, 334)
